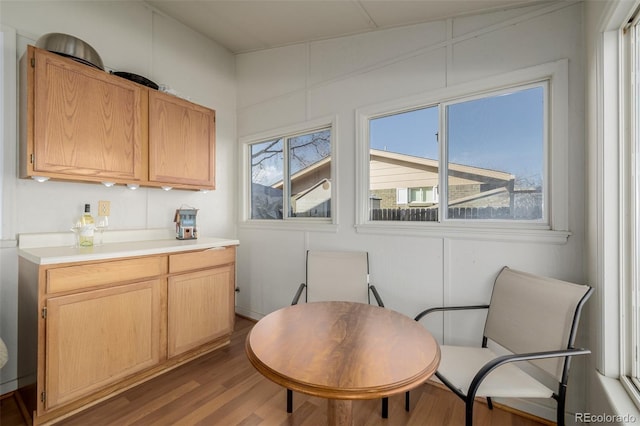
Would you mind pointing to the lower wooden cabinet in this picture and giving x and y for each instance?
(83, 343)
(97, 338)
(200, 308)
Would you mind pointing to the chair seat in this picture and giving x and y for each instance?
(459, 364)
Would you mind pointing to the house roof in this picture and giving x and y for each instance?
(303, 172)
(457, 169)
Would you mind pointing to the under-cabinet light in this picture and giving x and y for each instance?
(133, 186)
(108, 184)
(40, 178)
(167, 188)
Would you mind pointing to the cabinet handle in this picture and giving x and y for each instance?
(216, 248)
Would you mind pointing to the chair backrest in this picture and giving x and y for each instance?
(337, 275)
(529, 313)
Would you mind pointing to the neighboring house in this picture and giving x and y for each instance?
(313, 202)
(399, 181)
(311, 190)
(309, 176)
(405, 181)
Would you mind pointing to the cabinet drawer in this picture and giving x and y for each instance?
(201, 259)
(95, 274)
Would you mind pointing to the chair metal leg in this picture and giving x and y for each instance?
(468, 416)
(289, 401)
(385, 408)
(489, 403)
(561, 401)
(407, 397)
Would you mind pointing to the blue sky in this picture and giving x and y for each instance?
(499, 132)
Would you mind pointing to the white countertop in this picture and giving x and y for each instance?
(52, 248)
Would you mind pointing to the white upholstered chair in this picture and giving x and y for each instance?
(337, 276)
(535, 319)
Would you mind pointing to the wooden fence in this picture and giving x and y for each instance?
(431, 215)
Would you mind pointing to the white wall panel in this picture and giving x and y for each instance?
(517, 46)
(271, 266)
(192, 65)
(339, 57)
(470, 24)
(408, 272)
(270, 73)
(282, 111)
(394, 80)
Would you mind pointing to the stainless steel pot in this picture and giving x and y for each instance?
(68, 45)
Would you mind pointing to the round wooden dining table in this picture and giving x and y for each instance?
(342, 351)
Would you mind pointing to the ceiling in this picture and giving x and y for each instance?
(249, 25)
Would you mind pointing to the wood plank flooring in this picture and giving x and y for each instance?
(222, 388)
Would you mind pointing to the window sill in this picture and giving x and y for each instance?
(618, 398)
(290, 225)
(504, 233)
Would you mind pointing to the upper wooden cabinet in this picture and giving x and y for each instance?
(83, 124)
(181, 142)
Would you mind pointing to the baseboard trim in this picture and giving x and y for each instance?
(248, 314)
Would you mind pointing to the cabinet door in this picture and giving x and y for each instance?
(98, 337)
(181, 142)
(200, 308)
(87, 124)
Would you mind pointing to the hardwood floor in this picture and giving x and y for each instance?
(222, 388)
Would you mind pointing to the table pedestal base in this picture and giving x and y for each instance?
(340, 412)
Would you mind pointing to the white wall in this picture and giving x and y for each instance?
(129, 36)
(290, 85)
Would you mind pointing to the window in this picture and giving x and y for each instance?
(417, 196)
(291, 176)
(423, 195)
(484, 159)
(630, 206)
(493, 148)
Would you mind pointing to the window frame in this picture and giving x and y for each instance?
(544, 222)
(556, 227)
(293, 223)
(630, 210)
